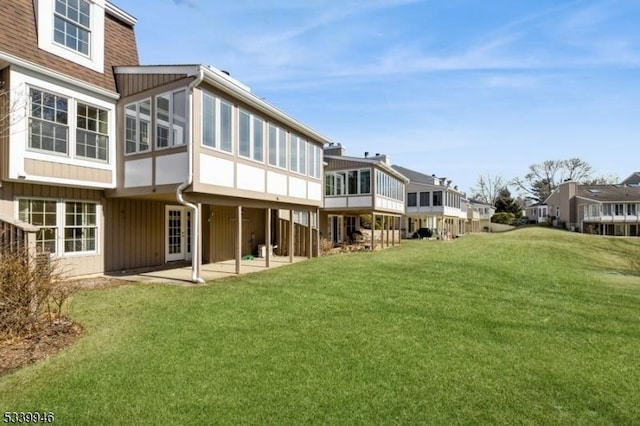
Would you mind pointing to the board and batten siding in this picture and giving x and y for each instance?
(220, 240)
(135, 231)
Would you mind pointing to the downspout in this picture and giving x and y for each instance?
(195, 250)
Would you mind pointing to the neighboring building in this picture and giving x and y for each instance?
(596, 209)
(359, 192)
(537, 213)
(432, 202)
(485, 211)
(126, 166)
(633, 179)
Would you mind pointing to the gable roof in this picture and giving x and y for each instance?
(634, 178)
(414, 176)
(343, 162)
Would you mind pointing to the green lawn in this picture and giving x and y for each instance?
(534, 326)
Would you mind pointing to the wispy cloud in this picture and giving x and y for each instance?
(188, 3)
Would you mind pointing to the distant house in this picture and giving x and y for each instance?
(633, 179)
(537, 213)
(596, 209)
(362, 196)
(432, 202)
(485, 211)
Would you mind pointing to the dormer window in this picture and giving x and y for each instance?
(72, 25)
(73, 30)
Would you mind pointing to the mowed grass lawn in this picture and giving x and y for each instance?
(534, 326)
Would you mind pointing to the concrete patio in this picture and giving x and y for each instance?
(181, 273)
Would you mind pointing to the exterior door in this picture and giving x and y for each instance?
(178, 242)
(335, 229)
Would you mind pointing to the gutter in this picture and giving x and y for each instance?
(195, 250)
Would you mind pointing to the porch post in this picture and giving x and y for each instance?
(373, 231)
(386, 228)
(267, 232)
(291, 239)
(310, 237)
(238, 238)
(317, 232)
(393, 231)
(197, 253)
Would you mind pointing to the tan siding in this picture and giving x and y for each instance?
(130, 84)
(134, 234)
(66, 171)
(343, 164)
(223, 230)
(18, 36)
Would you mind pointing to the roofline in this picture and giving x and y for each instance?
(114, 10)
(373, 162)
(14, 60)
(228, 85)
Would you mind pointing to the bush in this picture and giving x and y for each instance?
(504, 218)
(325, 246)
(31, 293)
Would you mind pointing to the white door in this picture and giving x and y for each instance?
(178, 243)
(335, 229)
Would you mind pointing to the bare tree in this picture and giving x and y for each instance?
(12, 107)
(543, 178)
(488, 188)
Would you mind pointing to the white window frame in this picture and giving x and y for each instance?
(95, 59)
(253, 154)
(173, 129)
(139, 117)
(217, 125)
(72, 127)
(61, 224)
(281, 145)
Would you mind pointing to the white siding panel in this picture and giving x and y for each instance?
(314, 191)
(276, 183)
(360, 201)
(216, 171)
(297, 187)
(335, 202)
(171, 168)
(137, 173)
(251, 178)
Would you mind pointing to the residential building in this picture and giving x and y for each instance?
(123, 166)
(596, 209)
(363, 195)
(536, 213)
(484, 211)
(432, 202)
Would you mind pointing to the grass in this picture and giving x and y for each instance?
(534, 326)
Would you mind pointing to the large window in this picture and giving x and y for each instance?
(607, 209)
(315, 161)
(76, 221)
(297, 154)
(171, 118)
(217, 121)
(424, 199)
(92, 132)
(388, 186)
(251, 136)
(412, 199)
(137, 125)
(352, 182)
(437, 198)
(277, 147)
(631, 210)
(48, 122)
(72, 25)
(80, 228)
(63, 125)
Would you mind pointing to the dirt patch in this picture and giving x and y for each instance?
(51, 337)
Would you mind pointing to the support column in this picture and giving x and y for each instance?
(310, 237)
(373, 231)
(393, 231)
(291, 236)
(267, 231)
(317, 232)
(386, 228)
(238, 238)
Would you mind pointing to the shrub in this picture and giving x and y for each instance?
(325, 246)
(31, 293)
(505, 218)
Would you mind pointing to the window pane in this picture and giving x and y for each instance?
(352, 182)
(282, 148)
(162, 121)
(258, 139)
(225, 127)
(209, 121)
(293, 153)
(244, 140)
(302, 152)
(179, 117)
(365, 181)
(273, 145)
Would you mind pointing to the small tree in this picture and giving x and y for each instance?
(488, 188)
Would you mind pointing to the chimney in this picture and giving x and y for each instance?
(334, 149)
(366, 154)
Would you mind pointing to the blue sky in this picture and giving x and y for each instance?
(457, 88)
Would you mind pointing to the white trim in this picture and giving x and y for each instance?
(120, 14)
